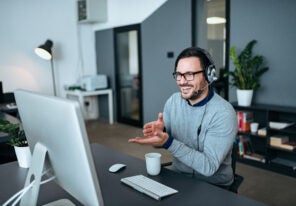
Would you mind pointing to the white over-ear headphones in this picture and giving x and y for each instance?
(210, 71)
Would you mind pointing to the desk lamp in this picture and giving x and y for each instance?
(44, 51)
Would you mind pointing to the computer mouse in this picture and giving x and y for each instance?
(116, 167)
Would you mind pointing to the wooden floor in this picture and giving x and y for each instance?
(271, 188)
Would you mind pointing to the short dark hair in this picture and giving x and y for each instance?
(203, 55)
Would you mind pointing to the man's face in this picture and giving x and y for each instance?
(188, 88)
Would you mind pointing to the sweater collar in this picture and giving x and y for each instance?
(205, 100)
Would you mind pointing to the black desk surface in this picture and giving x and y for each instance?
(191, 192)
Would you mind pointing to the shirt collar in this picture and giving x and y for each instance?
(205, 100)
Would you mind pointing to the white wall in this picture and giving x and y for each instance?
(27, 24)
(125, 12)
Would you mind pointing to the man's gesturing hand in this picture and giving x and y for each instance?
(157, 140)
(153, 131)
(150, 128)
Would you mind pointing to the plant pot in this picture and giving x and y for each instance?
(244, 97)
(23, 156)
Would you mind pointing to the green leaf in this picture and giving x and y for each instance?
(247, 68)
(16, 136)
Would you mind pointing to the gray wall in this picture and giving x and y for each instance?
(166, 30)
(272, 24)
(162, 32)
(106, 65)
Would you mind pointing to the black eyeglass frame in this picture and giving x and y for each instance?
(176, 74)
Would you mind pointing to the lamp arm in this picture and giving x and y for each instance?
(53, 77)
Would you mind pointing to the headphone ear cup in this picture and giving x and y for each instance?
(211, 73)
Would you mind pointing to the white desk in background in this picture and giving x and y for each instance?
(82, 94)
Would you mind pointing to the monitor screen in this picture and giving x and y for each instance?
(58, 125)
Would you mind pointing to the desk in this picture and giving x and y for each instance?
(191, 191)
(82, 94)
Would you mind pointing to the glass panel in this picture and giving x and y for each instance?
(211, 35)
(216, 37)
(216, 19)
(128, 75)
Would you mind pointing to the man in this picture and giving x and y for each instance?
(197, 125)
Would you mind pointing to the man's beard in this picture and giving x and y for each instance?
(196, 94)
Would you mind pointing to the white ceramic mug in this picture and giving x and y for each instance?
(254, 127)
(153, 163)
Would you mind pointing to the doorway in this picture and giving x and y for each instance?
(210, 30)
(128, 71)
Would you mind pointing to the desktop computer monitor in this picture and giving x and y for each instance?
(55, 129)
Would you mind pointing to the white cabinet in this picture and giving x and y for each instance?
(81, 95)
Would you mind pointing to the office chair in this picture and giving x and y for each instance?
(238, 179)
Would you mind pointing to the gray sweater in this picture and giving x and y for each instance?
(206, 156)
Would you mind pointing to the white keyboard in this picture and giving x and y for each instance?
(148, 186)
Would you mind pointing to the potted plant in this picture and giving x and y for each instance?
(248, 70)
(17, 139)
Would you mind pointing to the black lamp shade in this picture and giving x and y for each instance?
(44, 50)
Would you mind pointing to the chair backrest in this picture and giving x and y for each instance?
(238, 179)
(234, 156)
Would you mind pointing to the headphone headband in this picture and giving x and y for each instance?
(208, 67)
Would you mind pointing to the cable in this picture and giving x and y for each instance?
(13, 197)
(24, 191)
(21, 193)
(28, 187)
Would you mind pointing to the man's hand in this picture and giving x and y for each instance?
(153, 131)
(151, 128)
(158, 139)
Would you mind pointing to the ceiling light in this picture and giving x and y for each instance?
(216, 20)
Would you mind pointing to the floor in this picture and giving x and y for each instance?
(268, 187)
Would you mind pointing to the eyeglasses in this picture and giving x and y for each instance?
(188, 76)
